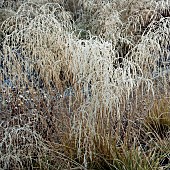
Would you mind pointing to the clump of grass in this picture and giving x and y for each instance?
(84, 69)
(20, 145)
(158, 120)
(43, 47)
